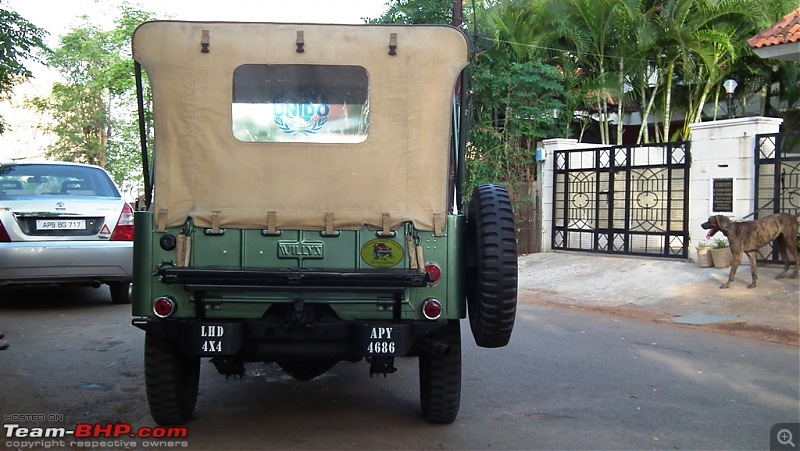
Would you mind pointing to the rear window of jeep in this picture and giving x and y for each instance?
(300, 103)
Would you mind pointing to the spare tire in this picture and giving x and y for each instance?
(492, 266)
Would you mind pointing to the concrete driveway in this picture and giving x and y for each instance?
(666, 290)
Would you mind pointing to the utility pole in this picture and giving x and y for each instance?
(458, 13)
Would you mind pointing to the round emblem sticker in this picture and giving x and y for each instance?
(381, 253)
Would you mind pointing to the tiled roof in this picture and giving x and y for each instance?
(787, 31)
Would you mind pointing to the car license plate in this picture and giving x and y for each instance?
(212, 338)
(385, 339)
(381, 341)
(60, 224)
(216, 338)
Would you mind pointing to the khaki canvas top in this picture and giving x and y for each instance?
(396, 171)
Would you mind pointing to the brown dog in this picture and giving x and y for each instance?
(749, 236)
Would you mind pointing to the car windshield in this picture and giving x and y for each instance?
(32, 180)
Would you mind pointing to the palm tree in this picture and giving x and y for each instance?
(610, 41)
(664, 56)
(591, 30)
(697, 49)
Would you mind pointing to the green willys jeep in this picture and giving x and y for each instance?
(304, 207)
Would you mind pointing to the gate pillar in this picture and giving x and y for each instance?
(722, 174)
(548, 147)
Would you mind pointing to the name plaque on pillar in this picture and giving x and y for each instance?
(722, 195)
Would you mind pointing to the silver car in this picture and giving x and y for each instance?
(64, 223)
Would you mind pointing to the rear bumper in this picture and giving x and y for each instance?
(66, 262)
(263, 340)
(222, 279)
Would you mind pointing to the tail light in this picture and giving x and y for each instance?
(432, 308)
(434, 273)
(164, 307)
(124, 229)
(4, 238)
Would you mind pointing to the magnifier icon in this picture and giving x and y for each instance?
(785, 437)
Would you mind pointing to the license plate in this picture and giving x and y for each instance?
(216, 338)
(381, 341)
(60, 224)
(212, 339)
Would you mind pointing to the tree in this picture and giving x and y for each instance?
(775, 80)
(515, 94)
(513, 111)
(702, 40)
(594, 32)
(527, 30)
(416, 12)
(666, 57)
(19, 40)
(93, 106)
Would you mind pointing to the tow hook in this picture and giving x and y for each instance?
(229, 366)
(381, 365)
(300, 315)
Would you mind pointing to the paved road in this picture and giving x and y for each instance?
(569, 380)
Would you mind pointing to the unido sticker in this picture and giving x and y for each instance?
(381, 253)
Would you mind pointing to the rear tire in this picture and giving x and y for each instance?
(492, 267)
(306, 370)
(171, 379)
(440, 377)
(120, 292)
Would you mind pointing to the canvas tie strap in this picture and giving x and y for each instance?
(329, 224)
(438, 224)
(184, 250)
(420, 258)
(387, 222)
(161, 221)
(215, 222)
(412, 252)
(204, 40)
(272, 223)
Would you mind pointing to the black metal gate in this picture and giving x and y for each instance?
(777, 157)
(623, 200)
